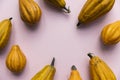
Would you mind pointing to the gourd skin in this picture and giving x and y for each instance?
(47, 73)
(111, 33)
(5, 31)
(74, 75)
(99, 70)
(30, 12)
(16, 60)
(94, 9)
(59, 4)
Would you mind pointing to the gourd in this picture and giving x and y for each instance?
(61, 4)
(16, 59)
(93, 9)
(47, 73)
(5, 31)
(74, 75)
(30, 11)
(99, 70)
(110, 34)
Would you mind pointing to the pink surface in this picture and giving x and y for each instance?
(56, 36)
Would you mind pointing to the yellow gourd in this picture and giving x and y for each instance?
(30, 11)
(16, 59)
(93, 9)
(47, 73)
(59, 4)
(111, 33)
(99, 70)
(74, 75)
(5, 31)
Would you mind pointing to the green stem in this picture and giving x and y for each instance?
(90, 55)
(53, 61)
(78, 24)
(10, 18)
(68, 10)
(73, 67)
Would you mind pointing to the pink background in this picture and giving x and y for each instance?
(56, 36)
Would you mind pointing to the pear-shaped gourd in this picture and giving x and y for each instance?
(5, 31)
(93, 9)
(30, 11)
(111, 33)
(59, 4)
(99, 70)
(47, 73)
(16, 59)
(74, 75)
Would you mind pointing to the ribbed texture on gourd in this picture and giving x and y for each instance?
(111, 33)
(47, 73)
(15, 60)
(93, 9)
(5, 31)
(99, 70)
(57, 3)
(30, 12)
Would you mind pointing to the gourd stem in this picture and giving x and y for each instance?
(53, 61)
(68, 10)
(90, 55)
(78, 24)
(10, 18)
(73, 67)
